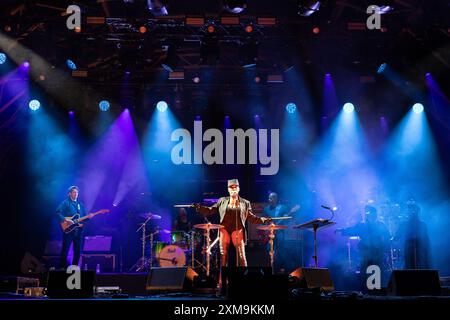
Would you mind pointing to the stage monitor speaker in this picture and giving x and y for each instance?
(57, 286)
(414, 283)
(170, 279)
(257, 283)
(133, 284)
(312, 278)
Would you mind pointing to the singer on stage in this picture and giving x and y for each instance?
(234, 211)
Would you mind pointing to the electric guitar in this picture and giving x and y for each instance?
(71, 223)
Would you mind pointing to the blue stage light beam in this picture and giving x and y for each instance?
(3, 58)
(49, 147)
(291, 107)
(381, 68)
(34, 105)
(349, 107)
(162, 106)
(418, 108)
(71, 65)
(104, 105)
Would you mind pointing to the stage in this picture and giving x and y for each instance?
(204, 153)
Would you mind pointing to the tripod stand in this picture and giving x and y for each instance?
(144, 264)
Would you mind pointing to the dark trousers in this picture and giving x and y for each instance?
(74, 237)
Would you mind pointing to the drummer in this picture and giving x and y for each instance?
(181, 223)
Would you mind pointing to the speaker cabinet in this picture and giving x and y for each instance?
(57, 285)
(312, 278)
(258, 283)
(414, 283)
(172, 279)
(133, 284)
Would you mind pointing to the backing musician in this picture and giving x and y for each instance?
(374, 239)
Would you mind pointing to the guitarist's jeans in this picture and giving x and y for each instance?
(75, 236)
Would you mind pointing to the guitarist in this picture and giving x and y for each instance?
(68, 208)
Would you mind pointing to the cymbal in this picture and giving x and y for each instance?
(184, 206)
(149, 215)
(271, 227)
(160, 230)
(208, 226)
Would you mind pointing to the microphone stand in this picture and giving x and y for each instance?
(143, 227)
(236, 236)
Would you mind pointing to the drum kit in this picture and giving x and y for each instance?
(182, 247)
(180, 251)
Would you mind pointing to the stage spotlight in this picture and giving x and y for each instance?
(249, 28)
(291, 107)
(34, 104)
(196, 79)
(385, 9)
(161, 106)
(104, 105)
(157, 7)
(71, 65)
(142, 29)
(382, 67)
(211, 29)
(316, 30)
(26, 64)
(418, 108)
(307, 8)
(349, 107)
(234, 6)
(2, 58)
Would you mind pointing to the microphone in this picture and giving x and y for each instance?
(326, 207)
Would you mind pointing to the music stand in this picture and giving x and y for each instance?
(315, 225)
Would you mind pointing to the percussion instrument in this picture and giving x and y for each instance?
(171, 256)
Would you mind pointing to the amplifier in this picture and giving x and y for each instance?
(17, 284)
(97, 244)
(99, 262)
